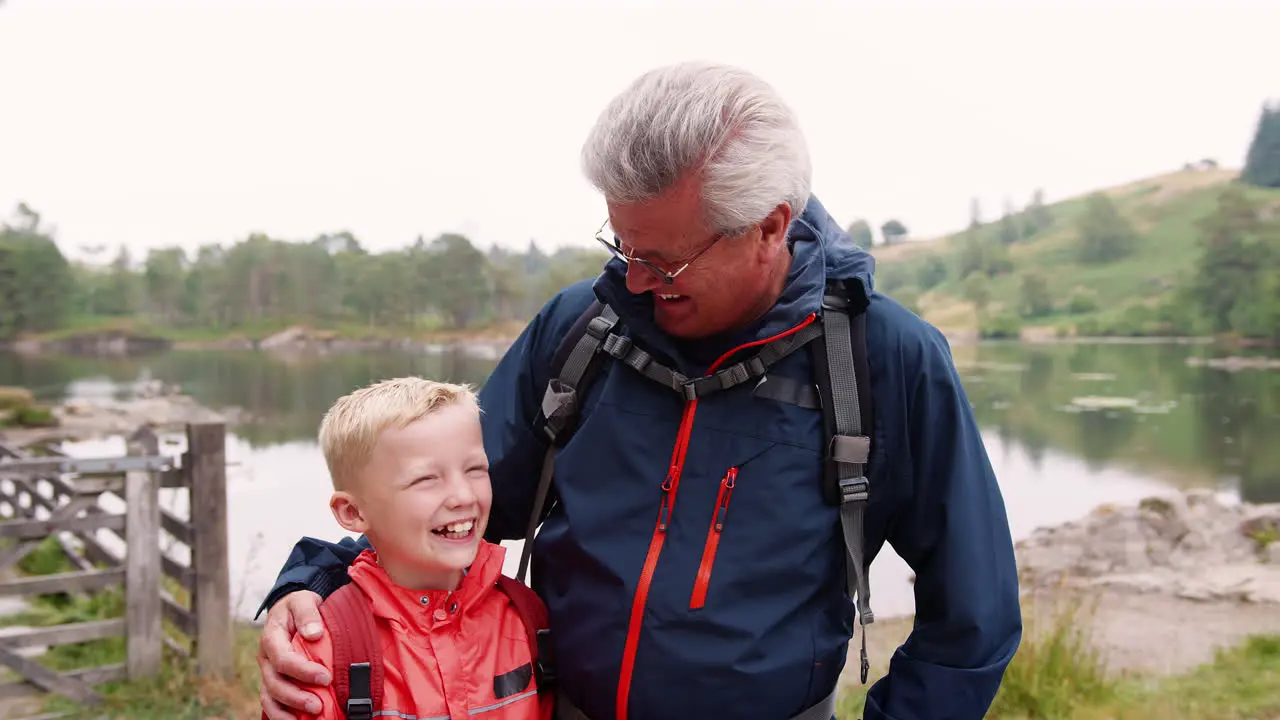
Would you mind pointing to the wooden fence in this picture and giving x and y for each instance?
(49, 495)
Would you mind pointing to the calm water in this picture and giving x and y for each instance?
(1170, 425)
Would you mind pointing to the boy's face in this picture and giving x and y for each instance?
(423, 499)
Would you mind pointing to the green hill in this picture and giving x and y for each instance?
(1127, 265)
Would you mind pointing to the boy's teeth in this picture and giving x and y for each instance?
(668, 297)
(459, 526)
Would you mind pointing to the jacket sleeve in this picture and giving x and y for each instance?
(316, 565)
(955, 535)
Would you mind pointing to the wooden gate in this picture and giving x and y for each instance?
(47, 495)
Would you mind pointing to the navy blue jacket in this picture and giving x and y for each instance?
(759, 625)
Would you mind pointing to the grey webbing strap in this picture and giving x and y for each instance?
(560, 401)
(849, 449)
(539, 499)
(559, 407)
(621, 347)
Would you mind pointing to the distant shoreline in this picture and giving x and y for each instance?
(483, 342)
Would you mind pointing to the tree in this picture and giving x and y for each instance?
(977, 290)
(1262, 163)
(860, 232)
(1010, 233)
(35, 278)
(1236, 248)
(893, 231)
(1037, 217)
(1104, 235)
(931, 273)
(975, 214)
(1035, 299)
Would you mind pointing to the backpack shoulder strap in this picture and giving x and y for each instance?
(843, 378)
(357, 652)
(538, 626)
(573, 367)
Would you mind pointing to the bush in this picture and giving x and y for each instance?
(1002, 326)
(1082, 302)
(12, 398)
(18, 409)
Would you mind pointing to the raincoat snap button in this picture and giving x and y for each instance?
(424, 600)
(440, 614)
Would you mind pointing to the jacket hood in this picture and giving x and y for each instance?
(820, 251)
(402, 605)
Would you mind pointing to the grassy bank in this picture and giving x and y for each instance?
(1059, 673)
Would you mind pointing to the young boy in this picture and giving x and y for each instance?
(410, 472)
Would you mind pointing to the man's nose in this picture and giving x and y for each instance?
(641, 279)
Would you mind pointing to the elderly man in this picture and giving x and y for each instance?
(755, 423)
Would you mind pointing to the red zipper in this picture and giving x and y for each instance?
(669, 487)
(713, 540)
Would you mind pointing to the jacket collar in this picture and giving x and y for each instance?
(418, 608)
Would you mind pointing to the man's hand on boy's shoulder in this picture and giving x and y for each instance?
(287, 656)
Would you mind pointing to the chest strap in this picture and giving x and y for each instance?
(623, 350)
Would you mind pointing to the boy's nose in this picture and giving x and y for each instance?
(460, 491)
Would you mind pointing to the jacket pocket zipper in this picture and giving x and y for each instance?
(713, 540)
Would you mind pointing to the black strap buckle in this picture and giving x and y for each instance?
(544, 669)
(854, 489)
(360, 709)
(599, 327)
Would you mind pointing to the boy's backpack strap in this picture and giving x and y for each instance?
(844, 384)
(572, 368)
(357, 652)
(534, 616)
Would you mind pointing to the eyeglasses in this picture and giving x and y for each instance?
(615, 247)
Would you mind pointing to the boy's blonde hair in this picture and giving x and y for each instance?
(350, 429)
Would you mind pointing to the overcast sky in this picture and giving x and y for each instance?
(158, 123)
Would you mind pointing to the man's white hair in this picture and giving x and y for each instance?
(721, 122)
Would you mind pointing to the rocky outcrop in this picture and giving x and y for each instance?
(1193, 546)
(157, 406)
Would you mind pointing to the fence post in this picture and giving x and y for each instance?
(145, 635)
(211, 600)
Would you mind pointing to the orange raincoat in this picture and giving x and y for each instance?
(447, 655)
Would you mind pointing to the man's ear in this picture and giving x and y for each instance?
(773, 229)
(347, 512)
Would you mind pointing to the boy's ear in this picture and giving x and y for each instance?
(347, 512)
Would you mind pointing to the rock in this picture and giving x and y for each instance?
(1192, 546)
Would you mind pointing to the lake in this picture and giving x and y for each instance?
(1067, 427)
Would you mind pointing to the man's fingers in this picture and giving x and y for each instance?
(304, 611)
(273, 709)
(278, 695)
(277, 655)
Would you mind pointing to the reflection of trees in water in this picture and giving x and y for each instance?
(1218, 424)
(1039, 374)
(284, 397)
(287, 399)
(1103, 434)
